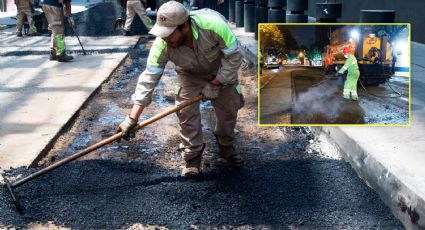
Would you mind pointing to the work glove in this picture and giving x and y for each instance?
(71, 22)
(125, 127)
(210, 92)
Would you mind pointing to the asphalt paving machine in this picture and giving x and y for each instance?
(370, 46)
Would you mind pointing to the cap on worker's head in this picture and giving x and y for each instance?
(170, 15)
(346, 50)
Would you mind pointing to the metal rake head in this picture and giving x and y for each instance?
(9, 188)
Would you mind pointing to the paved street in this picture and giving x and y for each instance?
(304, 95)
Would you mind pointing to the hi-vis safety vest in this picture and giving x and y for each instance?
(350, 65)
(216, 53)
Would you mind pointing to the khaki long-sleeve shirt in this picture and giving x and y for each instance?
(24, 4)
(216, 53)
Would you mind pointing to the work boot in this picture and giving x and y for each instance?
(230, 155)
(60, 49)
(53, 55)
(193, 166)
(19, 34)
(64, 58)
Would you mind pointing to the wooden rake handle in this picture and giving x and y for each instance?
(104, 142)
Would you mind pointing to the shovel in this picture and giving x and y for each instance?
(11, 186)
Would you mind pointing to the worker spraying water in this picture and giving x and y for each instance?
(350, 84)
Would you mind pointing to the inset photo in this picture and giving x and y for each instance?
(334, 74)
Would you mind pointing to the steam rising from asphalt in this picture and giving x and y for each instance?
(319, 104)
(323, 104)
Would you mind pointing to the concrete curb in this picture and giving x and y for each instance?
(405, 204)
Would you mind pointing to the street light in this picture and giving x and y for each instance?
(354, 34)
(401, 46)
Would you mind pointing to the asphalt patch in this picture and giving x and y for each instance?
(310, 193)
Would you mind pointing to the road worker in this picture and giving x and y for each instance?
(54, 11)
(207, 58)
(24, 8)
(350, 84)
(135, 7)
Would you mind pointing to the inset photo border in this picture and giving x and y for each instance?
(334, 74)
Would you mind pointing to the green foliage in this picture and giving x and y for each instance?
(270, 37)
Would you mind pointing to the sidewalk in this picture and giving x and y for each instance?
(9, 18)
(38, 97)
(10, 45)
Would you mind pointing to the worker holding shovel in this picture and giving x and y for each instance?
(350, 84)
(207, 58)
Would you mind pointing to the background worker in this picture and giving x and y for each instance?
(135, 7)
(54, 11)
(24, 8)
(207, 58)
(350, 84)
